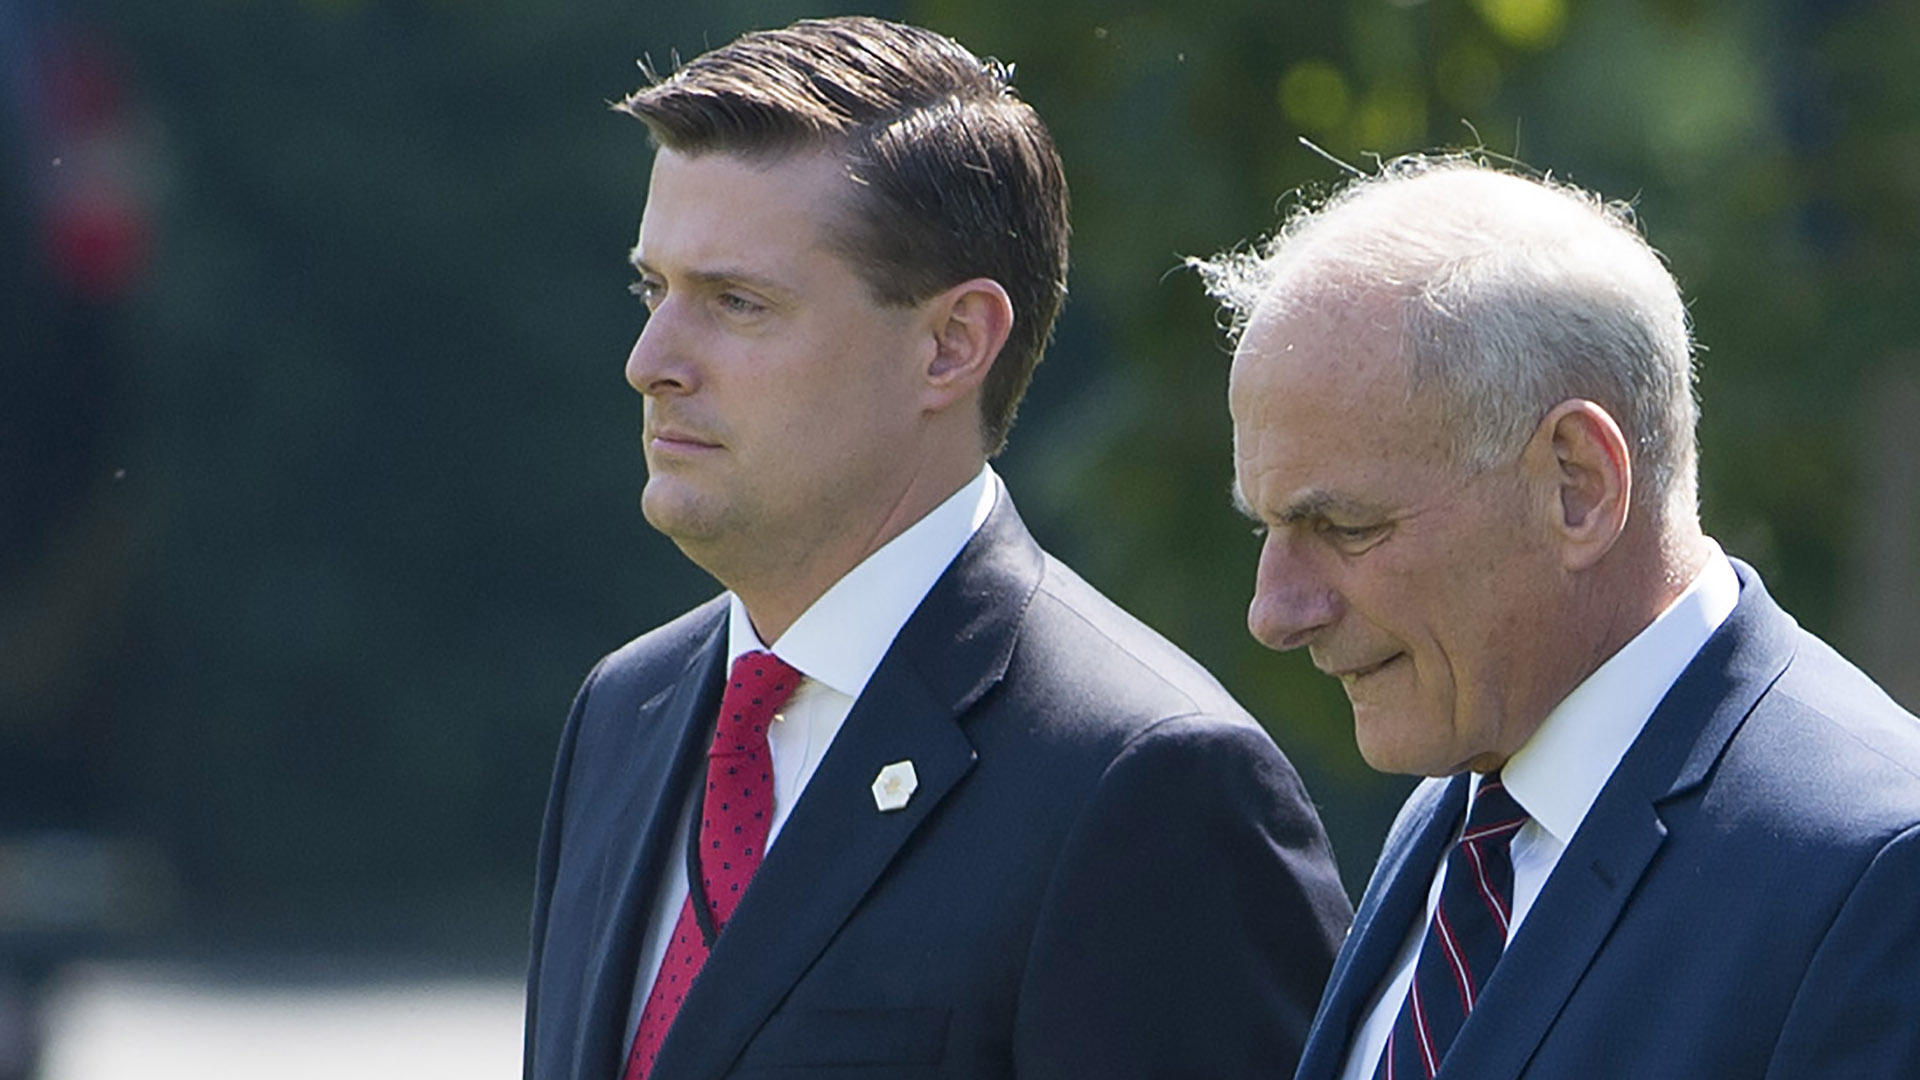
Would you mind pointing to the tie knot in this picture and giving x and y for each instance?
(758, 685)
(1494, 816)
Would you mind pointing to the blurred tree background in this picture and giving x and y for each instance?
(319, 504)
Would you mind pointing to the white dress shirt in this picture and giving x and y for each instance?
(836, 643)
(1557, 775)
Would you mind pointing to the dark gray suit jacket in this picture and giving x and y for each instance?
(1743, 899)
(1107, 871)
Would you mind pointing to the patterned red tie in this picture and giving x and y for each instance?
(1464, 941)
(734, 815)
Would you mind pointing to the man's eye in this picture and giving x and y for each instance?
(647, 289)
(1353, 536)
(735, 304)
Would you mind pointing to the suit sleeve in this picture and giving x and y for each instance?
(1192, 918)
(1858, 1012)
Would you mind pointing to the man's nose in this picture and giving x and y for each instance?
(1292, 601)
(659, 362)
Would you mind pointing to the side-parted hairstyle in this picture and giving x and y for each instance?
(953, 176)
(1515, 293)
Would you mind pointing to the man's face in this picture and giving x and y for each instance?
(781, 398)
(1425, 590)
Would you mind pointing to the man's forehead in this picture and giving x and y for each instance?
(1332, 354)
(1321, 433)
(726, 214)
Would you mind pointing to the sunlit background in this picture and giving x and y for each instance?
(318, 476)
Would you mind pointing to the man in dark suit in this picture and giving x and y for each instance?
(1463, 410)
(962, 817)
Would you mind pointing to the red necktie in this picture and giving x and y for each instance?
(1464, 941)
(734, 815)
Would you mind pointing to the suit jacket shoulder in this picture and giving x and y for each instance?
(1854, 753)
(1068, 610)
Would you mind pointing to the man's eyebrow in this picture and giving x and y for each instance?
(1314, 502)
(723, 275)
(1311, 504)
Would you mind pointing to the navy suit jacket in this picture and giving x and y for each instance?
(1108, 870)
(1743, 899)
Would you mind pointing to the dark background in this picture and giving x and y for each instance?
(319, 477)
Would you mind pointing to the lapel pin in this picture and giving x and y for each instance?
(894, 786)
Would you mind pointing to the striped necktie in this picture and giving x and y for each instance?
(1463, 942)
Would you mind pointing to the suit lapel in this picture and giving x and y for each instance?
(677, 723)
(837, 842)
(1597, 874)
(1574, 914)
(1395, 898)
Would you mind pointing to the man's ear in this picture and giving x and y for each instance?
(970, 323)
(1582, 456)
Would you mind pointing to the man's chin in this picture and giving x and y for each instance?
(677, 512)
(1381, 736)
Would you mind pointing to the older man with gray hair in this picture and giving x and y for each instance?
(1667, 833)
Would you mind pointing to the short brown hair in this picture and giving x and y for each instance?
(958, 178)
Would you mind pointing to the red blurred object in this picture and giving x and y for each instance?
(94, 220)
(98, 245)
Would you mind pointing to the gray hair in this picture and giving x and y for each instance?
(1514, 293)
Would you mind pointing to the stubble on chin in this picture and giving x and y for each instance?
(674, 512)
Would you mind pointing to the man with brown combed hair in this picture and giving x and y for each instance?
(956, 176)
(953, 813)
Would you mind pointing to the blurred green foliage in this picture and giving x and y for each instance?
(380, 466)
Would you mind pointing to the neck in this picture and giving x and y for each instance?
(1641, 578)
(777, 592)
(1683, 554)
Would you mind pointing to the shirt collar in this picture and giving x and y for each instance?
(1558, 774)
(841, 638)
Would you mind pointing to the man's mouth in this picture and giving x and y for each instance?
(1349, 676)
(672, 438)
